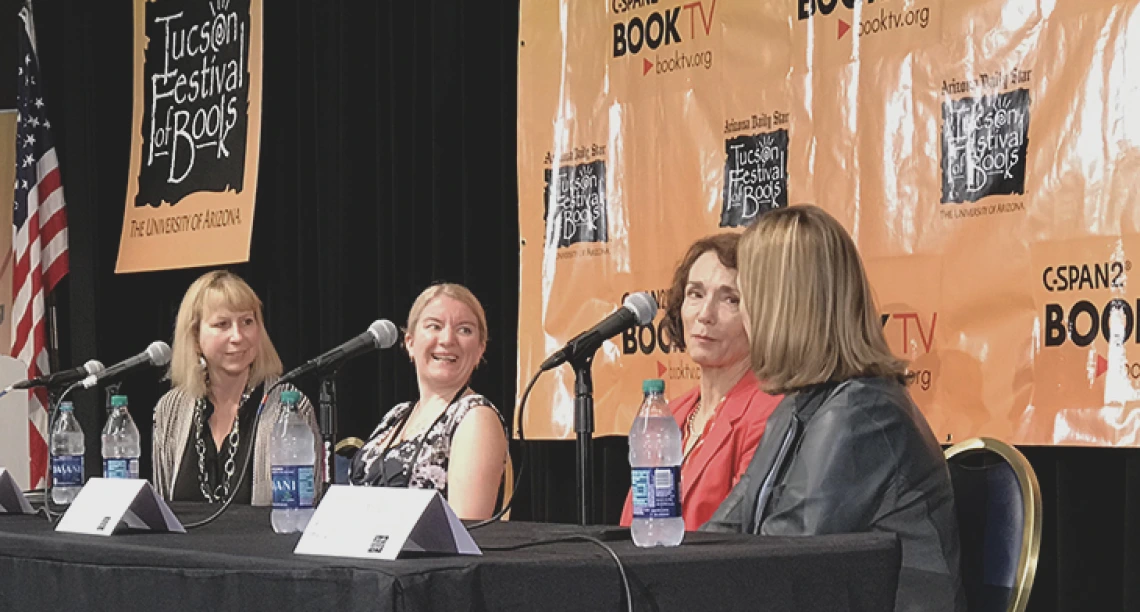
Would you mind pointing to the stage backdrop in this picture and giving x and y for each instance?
(7, 197)
(984, 155)
(196, 134)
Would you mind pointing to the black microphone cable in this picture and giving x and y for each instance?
(577, 538)
(52, 416)
(244, 464)
(522, 463)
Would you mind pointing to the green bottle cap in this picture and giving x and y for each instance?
(653, 385)
(290, 397)
(118, 401)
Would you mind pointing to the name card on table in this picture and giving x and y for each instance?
(382, 522)
(105, 505)
(12, 500)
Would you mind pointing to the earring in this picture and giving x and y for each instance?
(205, 370)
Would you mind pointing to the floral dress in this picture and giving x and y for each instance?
(420, 462)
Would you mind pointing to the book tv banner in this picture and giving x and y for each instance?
(196, 133)
(985, 156)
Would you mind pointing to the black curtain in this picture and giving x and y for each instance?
(388, 163)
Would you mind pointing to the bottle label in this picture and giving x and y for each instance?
(293, 487)
(656, 492)
(121, 467)
(67, 470)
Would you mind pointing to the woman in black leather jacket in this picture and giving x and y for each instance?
(846, 450)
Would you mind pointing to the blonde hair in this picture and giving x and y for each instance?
(456, 292)
(812, 314)
(211, 290)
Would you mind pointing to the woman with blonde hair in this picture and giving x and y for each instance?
(222, 363)
(846, 450)
(452, 439)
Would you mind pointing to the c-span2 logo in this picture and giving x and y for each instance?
(576, 204)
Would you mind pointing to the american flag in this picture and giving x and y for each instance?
(39, 238)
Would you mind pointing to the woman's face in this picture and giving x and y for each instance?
(446, 344)
(229, 339)
(715, 333)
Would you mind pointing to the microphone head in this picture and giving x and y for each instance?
(643, 305)
(384, 333)
(93, 367)
(158, 352)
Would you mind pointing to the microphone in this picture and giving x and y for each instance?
(638, 309)
(61, 378)
(158, 353)
(381, 334)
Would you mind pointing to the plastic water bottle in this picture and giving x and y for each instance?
(655, 454)
(292, 455)
(121, 448)
(67, 449)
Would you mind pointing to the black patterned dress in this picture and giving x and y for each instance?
(420, 462)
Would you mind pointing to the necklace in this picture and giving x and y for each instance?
(222, 490)
(692, 438)
(408, 467)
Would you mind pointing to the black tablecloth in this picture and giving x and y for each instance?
(238, 563)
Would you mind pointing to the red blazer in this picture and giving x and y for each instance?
(730, 439)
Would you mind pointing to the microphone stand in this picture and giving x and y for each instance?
(327, 419)
(584, 426)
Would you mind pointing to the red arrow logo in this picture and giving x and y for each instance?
(661, 369)
(646, 66)
(1101, 366)
(843, 28)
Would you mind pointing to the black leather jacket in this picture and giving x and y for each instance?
(856, 457)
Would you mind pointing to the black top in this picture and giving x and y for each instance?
(188, 485)
(856, 457)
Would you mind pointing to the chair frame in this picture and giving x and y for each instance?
(1031, 507)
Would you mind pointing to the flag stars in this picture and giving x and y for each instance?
(39, 102)
(28, 161)
(35, 122)
(47, 124)
(30, 140)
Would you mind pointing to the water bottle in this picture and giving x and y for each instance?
(67, 449)
(292, 455)
(655, 454)
(121, 448)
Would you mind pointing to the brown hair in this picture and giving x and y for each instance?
(724, 245)
(812, 314)
(225, 288)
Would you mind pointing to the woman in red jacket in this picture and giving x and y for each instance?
(722, 419)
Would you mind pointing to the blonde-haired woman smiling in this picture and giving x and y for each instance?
(451, 439)
(222, 363)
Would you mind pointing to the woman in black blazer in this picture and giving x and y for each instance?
(846, 451)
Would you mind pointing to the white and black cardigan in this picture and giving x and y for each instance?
(173, 422)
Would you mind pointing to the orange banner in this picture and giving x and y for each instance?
(984, 156)
(196, 134)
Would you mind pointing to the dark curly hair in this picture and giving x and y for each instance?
(724, 245)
